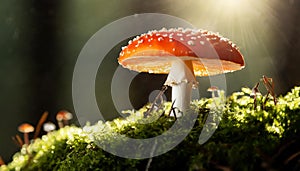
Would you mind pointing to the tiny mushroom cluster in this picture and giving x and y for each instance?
(182, 54)
(63, 117)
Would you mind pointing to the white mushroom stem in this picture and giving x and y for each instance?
(182, 79)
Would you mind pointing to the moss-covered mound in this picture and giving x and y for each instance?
(264, 136)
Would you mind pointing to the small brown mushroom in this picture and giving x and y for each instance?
(63, 118)
(26, 128)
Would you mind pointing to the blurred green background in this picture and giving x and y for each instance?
(40, 41)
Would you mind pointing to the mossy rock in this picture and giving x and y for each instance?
(264, 136)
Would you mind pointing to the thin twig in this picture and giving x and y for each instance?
(282, 148)
(172, 110)
(269, 84)
(255, 90)
(292, 157)
(1, 161)
(18, 140)
(40, 124)
(151, 154)
(221, 167)
(154, 103)
(265, 101)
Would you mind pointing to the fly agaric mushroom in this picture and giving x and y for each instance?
(26, 128)
(63, 118)
(182, 54)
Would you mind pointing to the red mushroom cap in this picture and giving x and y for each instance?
(154, 51)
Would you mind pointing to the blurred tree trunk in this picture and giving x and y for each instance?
(45, 56)
(289, 59)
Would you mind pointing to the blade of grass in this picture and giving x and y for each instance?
(18, 140)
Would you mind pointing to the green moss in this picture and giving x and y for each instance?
(247, 138)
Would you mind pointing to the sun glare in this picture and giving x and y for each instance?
(251, 24)
(241, 20)
(232, 4)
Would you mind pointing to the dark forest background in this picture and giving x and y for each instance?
(40, 41)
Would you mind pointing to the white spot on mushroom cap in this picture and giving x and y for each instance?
(163, 29)
(140, 41)
(193, 32)
(191, 37)
(223, 39)
(136, 38)
(172, 30)
(191, 43)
